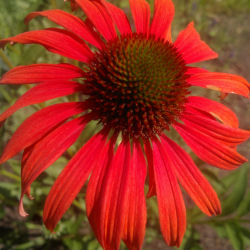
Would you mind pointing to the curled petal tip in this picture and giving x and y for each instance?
(21, 210)
(216, 209)
(218, 212)
(29, 195)
(4, 42)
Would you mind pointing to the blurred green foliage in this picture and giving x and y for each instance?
(225, 26)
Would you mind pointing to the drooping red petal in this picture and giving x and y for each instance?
(55, 40)
(71, 180)
(108, 202)
(99, 16)
(38, 125)
(227, 83)
(191, 178)
(36, 73)
(100, 208)
(71, 23)
(46, 151)
(119, 17)
(210, 150)
(216, 109)
(42, 92)
(163, 16)
(192, 48)
(94, 184)
(135, 215)
(26, 153)
(141, 14)
(22, 212)
(171, 206)
(220, 132)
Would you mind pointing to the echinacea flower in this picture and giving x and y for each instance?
(135, 84)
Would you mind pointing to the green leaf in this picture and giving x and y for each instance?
(220, 229)
(191, 240)
(187, 240)
(234, 236)
(211, 175)
(245, 235)
(236, 196)
(73, 244)
(231, 178)
(244, 207)
(93, 245)
(214, 179)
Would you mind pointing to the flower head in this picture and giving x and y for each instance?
(136, 85)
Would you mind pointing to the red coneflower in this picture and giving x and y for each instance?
(136, 85)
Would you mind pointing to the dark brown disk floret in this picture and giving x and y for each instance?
(136, 85)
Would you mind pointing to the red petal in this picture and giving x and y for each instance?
(99, 16)
(103, 208)
(163, 16)
(71, 23)
(168, 36)
(37, 73)
(99, 170)
(195, 111)
(106, 209)
(46, 151)
(135, 216)
(223, 82)
(170, 201)
(55, 40)
(119, 18)
(210, 150)
(42, 92)
(38, 125)
(141, 13)
(71, 180)
(192, 48)
(216, 109)
(192, 179)
(222, 133)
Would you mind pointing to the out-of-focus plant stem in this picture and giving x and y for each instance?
(223, 221)
(10, 175)
(77, 204)
(53, 3)
(6, 95)
(6, 59)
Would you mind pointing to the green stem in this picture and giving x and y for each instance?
(6, 60)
